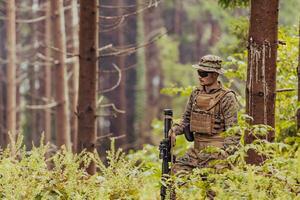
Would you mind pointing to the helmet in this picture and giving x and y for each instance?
(210, 63)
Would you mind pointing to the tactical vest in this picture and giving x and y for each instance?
(204, 112)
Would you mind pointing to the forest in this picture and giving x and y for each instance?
(85, 84)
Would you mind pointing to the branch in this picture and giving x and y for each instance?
(28, 21)
(26, 8)
(43, 57)
(42, 107)
(118, 82)
(104, 136)
(155, 4)
(285, 90)
(124, 7)
(113, 107)
(131, 50)
(105, 47)
(124, 69)
(100, 100)
(118, 137)
(114, 26)
(58, 50)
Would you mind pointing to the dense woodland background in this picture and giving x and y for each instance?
(144, 46)
(80, 73)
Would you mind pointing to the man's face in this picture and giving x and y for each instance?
(207, 78)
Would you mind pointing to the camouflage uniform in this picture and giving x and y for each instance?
(224, 115)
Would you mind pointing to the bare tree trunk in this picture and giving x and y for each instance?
(11, 67)
(261, 74)
(118, 95)
(122, 96)
(131, 79)
(199, 47)
(88, 73)
(33, 136)
(75, 69)
(3, 88)
(62, 114)
(178, 17)
(152, 23)
(215, 32)
(298, 111)
(48, 73)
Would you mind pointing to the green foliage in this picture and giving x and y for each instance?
(276, 178)
(178, 90)
(289, 12)
(233, 3)
(29, 175)
(286, 102)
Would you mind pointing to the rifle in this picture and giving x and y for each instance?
(165, 149)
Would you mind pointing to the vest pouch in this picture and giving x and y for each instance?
(204, 101)
(189, 136)
(201, 122)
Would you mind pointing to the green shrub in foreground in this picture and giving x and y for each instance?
(26, 174)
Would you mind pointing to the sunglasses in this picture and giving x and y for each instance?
(203, 74)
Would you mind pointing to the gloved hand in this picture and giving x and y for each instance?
(217, 124)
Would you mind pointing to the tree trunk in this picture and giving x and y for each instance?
(11, 67)
(48, 73)
(178, 17)
(261, 73)
(215, 33)
(131, 79)
(199, 47)
(75, 71)
(298, 111)
(32, 96)
(152, 23)
(118, 95)
(62, 114)
(88, 73)
(3, 87)
(122, 96)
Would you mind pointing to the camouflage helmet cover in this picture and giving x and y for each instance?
(210, 63)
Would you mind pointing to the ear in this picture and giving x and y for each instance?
(215, 75)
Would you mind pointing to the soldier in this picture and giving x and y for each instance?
(210, 110)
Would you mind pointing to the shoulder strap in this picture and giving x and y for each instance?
(219, 98)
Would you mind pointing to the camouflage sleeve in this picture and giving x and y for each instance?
(229, 109)
(185, 120)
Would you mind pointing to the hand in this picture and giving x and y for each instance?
(217, 124)
(172, 137)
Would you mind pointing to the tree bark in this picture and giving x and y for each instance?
(131, 78)
(118, 95)
(152, 23)
(62, 114)
(75, 71)
(11, 68)
(48, 73)
(88, 73)
(298, 69)
(3, 87)
(261, 73)
(199, 47)
(215, 33)
(178, 17)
